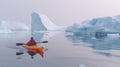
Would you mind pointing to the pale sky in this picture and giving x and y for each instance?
(61, 12)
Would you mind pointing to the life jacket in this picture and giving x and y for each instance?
(31, 42)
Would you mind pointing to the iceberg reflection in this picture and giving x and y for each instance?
(97, 44)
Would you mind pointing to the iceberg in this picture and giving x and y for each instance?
(97, 27)
(41, 22)
(9, 27)
(4, 27)
(18, 26)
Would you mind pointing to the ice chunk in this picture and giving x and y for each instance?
(81, 65)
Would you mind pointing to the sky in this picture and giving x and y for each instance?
(61, 12)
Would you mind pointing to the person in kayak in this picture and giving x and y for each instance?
(32, 48)
(31, 42)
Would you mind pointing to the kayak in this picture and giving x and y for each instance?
(36, 49)
(33, 49)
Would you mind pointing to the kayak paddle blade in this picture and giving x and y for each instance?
(19, 44)
(44, 41)
(19, 53)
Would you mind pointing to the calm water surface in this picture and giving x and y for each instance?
(63, 51)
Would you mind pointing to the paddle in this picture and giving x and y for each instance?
(19, 44)
(43, 42)
(19, 53)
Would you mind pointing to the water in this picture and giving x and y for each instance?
(63, 51)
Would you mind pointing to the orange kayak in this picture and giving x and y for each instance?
(39, 50)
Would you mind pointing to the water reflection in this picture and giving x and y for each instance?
(38, 36)
(98, 44)
(107, 54)
(60, 54)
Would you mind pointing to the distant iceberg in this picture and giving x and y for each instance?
(9, 27)
(90, 27)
